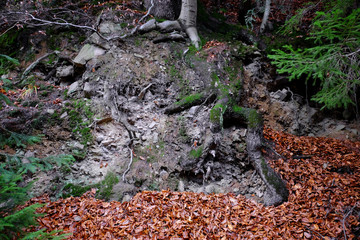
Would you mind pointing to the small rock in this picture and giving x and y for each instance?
(210, 189)
(139, 55)
(87, 90)
(65, 71)
(340, 127)
(50, 111)
(88, 52)
(354, 131)
(78, 146)
(126, 198)
(152, 125)
(64, 115)
(77, 218)
(181, 186)
(164, 175)
(74, 87)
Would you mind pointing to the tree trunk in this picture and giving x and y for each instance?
(266, 16)
(186, 20)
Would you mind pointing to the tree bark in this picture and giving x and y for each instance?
(266, 16)
(186, 20)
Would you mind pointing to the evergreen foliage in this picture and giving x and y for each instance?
(13, 194)
(333, 61)
(5, 63)
(13, 139)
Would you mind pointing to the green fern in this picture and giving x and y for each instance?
(13, 139)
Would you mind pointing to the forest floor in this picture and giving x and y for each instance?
(322, 175)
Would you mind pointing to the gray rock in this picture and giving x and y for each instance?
(50, 111)
(109, 28)
(77, 145)
(64, 71)
(181, 186)
(74, 87)
(64, 115)
(340, 127)
(279, 94)
(164, 175)
(152, 125)
(88, 90)
(97, 40)
(126, 198)
(88, 52)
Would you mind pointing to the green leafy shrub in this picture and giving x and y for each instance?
(334, 61)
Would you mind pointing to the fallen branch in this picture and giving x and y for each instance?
(142, 93)
(31, 66)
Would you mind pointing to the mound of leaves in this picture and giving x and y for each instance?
(322, 175)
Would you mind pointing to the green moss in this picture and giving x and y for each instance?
(271, 177)
(196, 153)
(252, 117)
(123, 25)
(190, 99)
(104, 188)
(216, 113)
(80, 117)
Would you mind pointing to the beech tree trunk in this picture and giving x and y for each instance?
(186, 22)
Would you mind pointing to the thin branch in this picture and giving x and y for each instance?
(31, 66)
(148, 12)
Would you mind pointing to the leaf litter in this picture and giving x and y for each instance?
(322, 176)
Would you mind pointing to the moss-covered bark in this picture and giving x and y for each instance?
(276, 192)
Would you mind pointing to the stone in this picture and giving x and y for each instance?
(64, 115)
(97, 40)
(65, 71)
(88, 52)
(181, 186)
(340, 127)
(78, 146)
(87, 90)
(126, 198)
(139, 56)
(164, 175)
(152, 125)
(109, 28)
(279, 94)
(50, 111)
(74, 87)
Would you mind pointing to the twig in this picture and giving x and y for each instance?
(31, 66)
(315, 232)
(344, 219)
(142, 93)
(148, 12)
(131, 160)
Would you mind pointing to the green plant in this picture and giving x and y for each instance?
(189, 99)
(104, 187)
(12, 194)
(13, 139)
(334, 61)
(196, 153)
(80, 117)
(217, 112)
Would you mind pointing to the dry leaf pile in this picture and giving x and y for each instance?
(322, 177)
